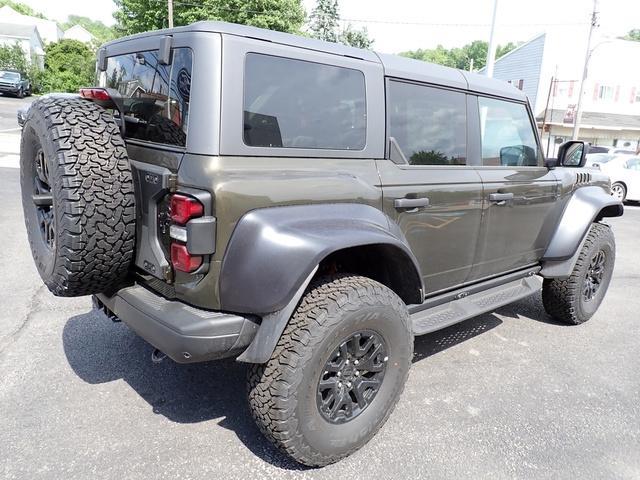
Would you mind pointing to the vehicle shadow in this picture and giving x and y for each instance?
(100, 351)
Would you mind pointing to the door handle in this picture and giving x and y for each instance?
(402, 203)
(500, 198)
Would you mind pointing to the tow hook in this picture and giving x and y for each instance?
(157, 356)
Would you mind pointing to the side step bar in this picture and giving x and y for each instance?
(474, 304)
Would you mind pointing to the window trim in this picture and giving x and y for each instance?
(232, 100)
(387, 153)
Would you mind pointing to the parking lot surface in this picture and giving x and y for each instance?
(510, 394)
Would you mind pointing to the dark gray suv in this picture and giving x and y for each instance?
(306, 208)
(14, 83)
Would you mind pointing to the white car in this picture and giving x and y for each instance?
(624, 171)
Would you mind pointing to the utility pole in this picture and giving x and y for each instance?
(170, 7)
(491, 53)
(594, 24)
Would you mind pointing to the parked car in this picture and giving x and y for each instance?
(624, 172)
(308, 208)
(610, 150)
(594, 160)
(14, 83)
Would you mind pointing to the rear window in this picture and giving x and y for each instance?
(156, 97)
(298, 104)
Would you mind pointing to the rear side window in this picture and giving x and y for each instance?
(508, 138)
(298, 104)
(156, 97)
(429, 124)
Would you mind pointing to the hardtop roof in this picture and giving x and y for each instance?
(393, 65)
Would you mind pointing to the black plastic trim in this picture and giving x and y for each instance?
(273, 250)
(184, 333)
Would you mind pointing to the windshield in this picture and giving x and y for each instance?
(12, 76)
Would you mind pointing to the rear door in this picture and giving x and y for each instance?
(519, 192)
(428, 188)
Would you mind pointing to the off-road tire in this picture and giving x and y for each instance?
(282, 392)
(164, 130)
(91, 247)
(563, 299)
(20, 93)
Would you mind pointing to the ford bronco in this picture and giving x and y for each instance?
(307, 208)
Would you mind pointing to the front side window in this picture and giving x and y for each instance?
(292, 103)
(429, 124)
(507, 135)
(156, 97)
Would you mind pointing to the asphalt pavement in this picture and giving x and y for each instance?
(510, 394)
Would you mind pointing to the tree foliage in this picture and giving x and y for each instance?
(69, 65)
(99, 30)
(324, 24)
(633, 35)
(22, 8)
(461, 57)
(12, 57)
(135, 16)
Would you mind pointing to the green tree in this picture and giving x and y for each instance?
(22, 8)
(633, 35)
(324, 24)
(12, 57)
(324, 21)
(69, 65)
(473, 54)
(135, 16)
(99, 30)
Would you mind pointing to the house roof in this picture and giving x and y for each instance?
(606, 121)
(17, 31)
(47, 29)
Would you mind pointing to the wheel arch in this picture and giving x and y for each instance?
(586, 206)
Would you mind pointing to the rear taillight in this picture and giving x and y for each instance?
(100, 94)
(182, 209)
(182, 260)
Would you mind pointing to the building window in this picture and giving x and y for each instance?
(605, 92)
(517, 83)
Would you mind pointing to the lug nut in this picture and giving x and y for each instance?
(385, 359)
(357, 373)
(339, 374)
(356, 362)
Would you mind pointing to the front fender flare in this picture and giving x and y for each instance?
(587, 204)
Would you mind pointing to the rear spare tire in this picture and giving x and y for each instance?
(77, 196)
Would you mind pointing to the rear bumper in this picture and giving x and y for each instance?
(184, 333)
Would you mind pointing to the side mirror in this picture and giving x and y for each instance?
(572, 154)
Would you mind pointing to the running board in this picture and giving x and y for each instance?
(464, 307)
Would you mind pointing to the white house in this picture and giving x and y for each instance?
(49, 30)
(27, 37)
(78, 32)
(548, 68)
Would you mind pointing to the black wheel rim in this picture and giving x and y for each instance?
(595, 273)
(43, 200)
(352, 376)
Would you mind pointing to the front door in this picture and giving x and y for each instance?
(428, 189)
(519, 192)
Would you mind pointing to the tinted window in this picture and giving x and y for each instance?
(428, 123)
(297, 104)
(156, 97)
(507, 135)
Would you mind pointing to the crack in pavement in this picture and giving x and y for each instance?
(34, 303)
